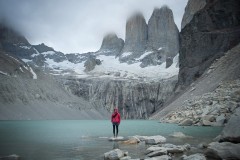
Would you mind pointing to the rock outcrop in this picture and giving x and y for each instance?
(192, 7)
(111, 45)
(163, 32)
(90, 63)
(136, 37)
(212, 31)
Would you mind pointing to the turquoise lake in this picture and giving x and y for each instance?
(87, 139)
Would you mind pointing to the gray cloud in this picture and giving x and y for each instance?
(78, 25)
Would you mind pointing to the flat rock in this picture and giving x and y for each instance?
(155, 140)
(116, 139)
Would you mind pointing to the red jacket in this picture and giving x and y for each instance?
(116, 118)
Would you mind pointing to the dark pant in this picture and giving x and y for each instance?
(115, 125)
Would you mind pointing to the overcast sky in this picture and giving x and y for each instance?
(77, 26)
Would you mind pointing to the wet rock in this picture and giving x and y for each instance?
(152, 140)
(163, 157)
(159, 152)
(115, 154)
(166, 149)
(133, 140)
(197, 156)
(225, 150)
(126, 158)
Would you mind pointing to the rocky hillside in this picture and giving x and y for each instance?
(27, 93)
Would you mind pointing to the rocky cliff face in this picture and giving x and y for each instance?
(192, 7)
(111, 45)
(163, 32)
(136, 37)
(135, 99)
(212, 31)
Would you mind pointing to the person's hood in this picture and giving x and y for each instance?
(116, 109)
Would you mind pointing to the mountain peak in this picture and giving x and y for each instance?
(136, 35)
(111, 44)
(162, 31)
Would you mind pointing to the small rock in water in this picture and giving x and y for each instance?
(180, 135)
(114, 154)
(133, 140)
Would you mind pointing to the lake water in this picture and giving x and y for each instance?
(87, 139)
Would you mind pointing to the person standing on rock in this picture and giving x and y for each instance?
(115, 119)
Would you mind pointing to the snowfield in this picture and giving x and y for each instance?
(112, 68)
(110, 64)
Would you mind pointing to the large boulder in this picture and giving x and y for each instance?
(212, 31)
(231, 131)
(225, 150)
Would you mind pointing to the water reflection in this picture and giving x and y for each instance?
(115, 145)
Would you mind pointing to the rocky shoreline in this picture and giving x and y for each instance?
(225, 146)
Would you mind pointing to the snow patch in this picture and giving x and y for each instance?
(26, 60)
(64, 65)
(160, 48)
(48, 53)
(33, 73)
(126, 54)
(25, 47)
(1, 72)
(144, 55)
(21, 69)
